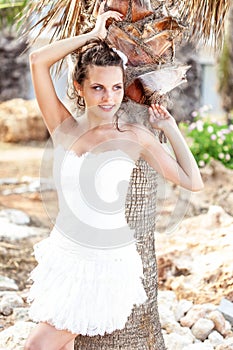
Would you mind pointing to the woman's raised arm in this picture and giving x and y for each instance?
(181, 170)
(41, 60)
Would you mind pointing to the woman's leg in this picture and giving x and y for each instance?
(46, 337)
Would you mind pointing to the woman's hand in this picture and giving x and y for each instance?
(159, 117)
(100, 27)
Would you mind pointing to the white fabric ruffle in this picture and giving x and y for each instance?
(84, 290)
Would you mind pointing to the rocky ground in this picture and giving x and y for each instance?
(195, 259)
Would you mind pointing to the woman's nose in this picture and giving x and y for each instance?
(108, 95)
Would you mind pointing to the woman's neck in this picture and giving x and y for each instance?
(95, 122)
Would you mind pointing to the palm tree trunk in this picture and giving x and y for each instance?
(142, 330)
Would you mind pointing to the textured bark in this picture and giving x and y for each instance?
(142, 330)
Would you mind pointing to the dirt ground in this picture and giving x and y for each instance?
(17, 161)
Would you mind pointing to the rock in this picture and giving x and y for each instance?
(167, 297)
(12, 299)
(227, 325)
(167, 318)
(219, 321)
(5, 309)
(215, 217)
(13, 232)
(13, 338)
(202, 328)
(186, 332)
(208, 307)
(21, 120)
(215, 338)
(229, 341)
(182, 308)
(21, 314)
(227, 345)
(198, 346)
(226, 307)
(15, 216)
(174, 341)
(8, 302)
(209, 250)
(8, 181)
(7, 284)
(192, 316)
(30, 185)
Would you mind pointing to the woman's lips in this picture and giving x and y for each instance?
(107, 108)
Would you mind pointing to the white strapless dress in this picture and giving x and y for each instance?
(89, 274)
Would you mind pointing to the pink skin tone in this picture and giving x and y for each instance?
(102, 91)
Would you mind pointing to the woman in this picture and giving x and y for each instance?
(99, 83)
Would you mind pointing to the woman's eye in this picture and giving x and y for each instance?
(97, 88)
(118, 87)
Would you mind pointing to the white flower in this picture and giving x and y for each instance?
(192, 126)
(213, 137)
(201, 163)
(220, 141)
(210, 129)
(220, 155)
(199, 125)
(227, 156)
(194, 114)
(205, 156)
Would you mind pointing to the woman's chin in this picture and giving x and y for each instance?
(103, 111)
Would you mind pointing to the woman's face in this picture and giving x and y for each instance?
(103, 91)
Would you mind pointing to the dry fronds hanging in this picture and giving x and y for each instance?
(70, 17)
(63, 18)
(205, 18)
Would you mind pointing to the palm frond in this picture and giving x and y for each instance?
(64, 18)
(205, 18)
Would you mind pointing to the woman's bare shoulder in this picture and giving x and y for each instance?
(144, 134)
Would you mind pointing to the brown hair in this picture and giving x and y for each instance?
(96, 52)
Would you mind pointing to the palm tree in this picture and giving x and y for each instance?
(153, 27)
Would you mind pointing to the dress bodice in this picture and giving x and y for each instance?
(92, 191)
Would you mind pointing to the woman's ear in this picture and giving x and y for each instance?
(78, 88)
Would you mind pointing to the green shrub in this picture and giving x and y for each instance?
(209, 139)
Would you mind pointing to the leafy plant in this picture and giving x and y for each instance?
(209, 139)
(10, 11)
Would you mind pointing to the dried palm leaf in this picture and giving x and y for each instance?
(159, 42)
(132, 30)
(120, 6)
(135, 53)
(205, 18)
(141, 9)
(138, 10)
(64, 18)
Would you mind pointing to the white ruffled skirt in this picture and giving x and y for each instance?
(84, 290)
